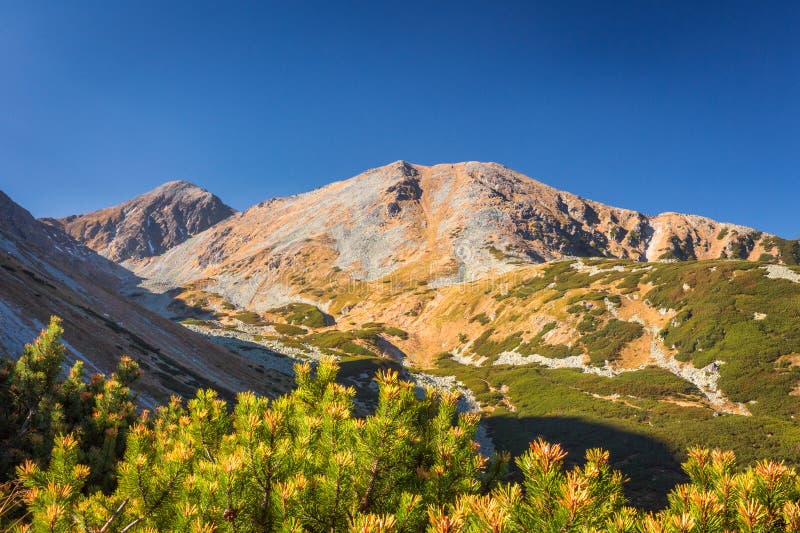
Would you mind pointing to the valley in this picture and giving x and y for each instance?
(551, 315)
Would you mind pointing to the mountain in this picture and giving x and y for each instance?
(443, 224)
(554, 315)
(551, 314)
(149, 224)
(44, 271)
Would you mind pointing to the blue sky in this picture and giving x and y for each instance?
(655, 106)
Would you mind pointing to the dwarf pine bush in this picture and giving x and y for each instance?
(39, 403)
(303, 462)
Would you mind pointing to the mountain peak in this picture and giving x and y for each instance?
(445, 224)
(177, 185)
(16, 219)
(150, 223)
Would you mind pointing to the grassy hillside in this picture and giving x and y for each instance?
(643, 359)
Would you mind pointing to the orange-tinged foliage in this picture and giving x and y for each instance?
(303, 462)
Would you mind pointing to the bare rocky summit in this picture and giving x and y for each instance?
(149, 224)
(441, 224)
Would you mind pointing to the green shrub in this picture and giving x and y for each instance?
(42, 402)
(485, 347)
(607, 343)
(589, 323)
(715, 322)
(480, 318)
(396, 332)
(788, 251)
(289, 329)
(343, 341)
(302, 314)
(250, 317)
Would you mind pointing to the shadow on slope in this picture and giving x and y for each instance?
(649, 464)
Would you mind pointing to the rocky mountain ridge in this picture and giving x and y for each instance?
(442, 225)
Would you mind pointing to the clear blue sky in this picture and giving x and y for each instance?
(655, 106)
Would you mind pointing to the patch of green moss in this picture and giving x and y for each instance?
(496, 253)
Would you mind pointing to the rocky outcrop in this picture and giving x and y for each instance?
(149, 224)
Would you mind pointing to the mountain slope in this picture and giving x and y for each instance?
(149, 224)
(646, 359)
(44, 272)
(440, 225)
(437, 271)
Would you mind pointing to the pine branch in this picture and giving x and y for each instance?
(24, 428)
(131, 525)
(113, 516)
(365, 500)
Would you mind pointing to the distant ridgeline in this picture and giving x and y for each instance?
(302, 462)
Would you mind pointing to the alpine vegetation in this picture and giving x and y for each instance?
(78, 457)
